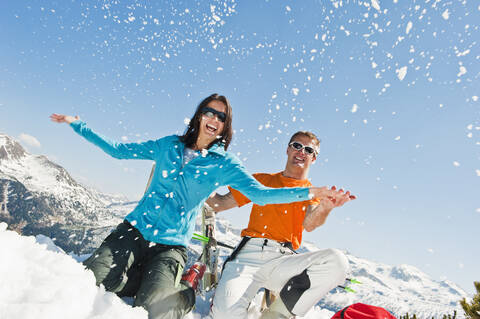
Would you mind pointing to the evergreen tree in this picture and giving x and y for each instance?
(407, 316)
(472, 311)
(449, 316)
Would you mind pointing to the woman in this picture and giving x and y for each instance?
(145, 255)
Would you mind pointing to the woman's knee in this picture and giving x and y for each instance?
(110, 267)
(167, 302)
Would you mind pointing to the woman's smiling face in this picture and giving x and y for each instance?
(212, 127)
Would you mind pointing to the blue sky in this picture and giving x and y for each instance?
(390, 87)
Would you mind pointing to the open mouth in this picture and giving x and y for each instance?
(299, 159)
(211, 128)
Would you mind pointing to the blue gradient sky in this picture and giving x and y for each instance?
(407, 144)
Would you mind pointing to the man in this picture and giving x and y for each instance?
(265, 258)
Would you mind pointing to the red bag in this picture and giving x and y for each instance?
(363, 311)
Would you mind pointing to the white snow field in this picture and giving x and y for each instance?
(38, 280)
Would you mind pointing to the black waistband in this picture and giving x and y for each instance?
(283, 244)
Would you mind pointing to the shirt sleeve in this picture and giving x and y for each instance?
(144, 150)
(238, 178)
(239, 197)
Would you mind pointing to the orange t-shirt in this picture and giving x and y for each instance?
(280, 222)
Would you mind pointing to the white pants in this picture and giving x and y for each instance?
(273, 266)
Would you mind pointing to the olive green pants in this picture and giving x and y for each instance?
(127, 264)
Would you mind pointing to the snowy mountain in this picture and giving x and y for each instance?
(38, 196)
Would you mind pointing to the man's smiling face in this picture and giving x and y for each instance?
(301, 158)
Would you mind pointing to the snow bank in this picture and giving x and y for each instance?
(40, 281)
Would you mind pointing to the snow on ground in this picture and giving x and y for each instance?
(41, 281)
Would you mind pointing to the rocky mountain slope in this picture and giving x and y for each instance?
(38, 196)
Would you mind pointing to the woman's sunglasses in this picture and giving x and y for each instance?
(299, 146)
(210, 113)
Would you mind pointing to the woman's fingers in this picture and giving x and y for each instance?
(61, 118)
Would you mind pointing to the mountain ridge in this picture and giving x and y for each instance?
(39, 196)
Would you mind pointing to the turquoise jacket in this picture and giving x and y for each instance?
(167, 211)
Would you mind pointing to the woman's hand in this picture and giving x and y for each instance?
(337, 197)
(61, 118)
(321, 192)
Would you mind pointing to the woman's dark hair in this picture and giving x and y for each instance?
(191, 133)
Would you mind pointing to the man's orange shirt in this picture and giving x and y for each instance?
(280, 222)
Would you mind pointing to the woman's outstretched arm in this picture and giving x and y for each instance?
(142, 150)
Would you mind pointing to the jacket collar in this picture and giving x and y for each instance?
(216, 148)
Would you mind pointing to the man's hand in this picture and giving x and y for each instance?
(61, 118)
(317, 215)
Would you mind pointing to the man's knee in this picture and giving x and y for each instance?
(339, 262)
(331, 261)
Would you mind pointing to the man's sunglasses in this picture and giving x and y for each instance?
(299, 146)
(210, 113)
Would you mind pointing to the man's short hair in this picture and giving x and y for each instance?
(313, 137)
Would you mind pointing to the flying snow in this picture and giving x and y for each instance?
(376, 5)
(462, 70)
(401, 73)
(446, 14)
(409, 27)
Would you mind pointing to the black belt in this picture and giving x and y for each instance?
(244, 241)
(286, 244)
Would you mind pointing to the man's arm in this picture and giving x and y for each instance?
(316, 215)
(221, 202)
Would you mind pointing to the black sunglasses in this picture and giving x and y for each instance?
(299, 146)
(210, 113)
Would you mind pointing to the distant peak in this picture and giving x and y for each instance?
(10, 149)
